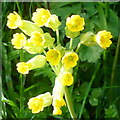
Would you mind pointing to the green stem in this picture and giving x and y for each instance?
(78, 47)
(71, 41)
(57, 34)
(22, 81)
(87, 92)
(69, 104)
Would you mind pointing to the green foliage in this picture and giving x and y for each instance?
(111, 112)
(90, 54)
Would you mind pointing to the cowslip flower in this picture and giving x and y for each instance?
(41, 16)
(35, 62)
(66, 79)
(70, 60)
(53, 22)
(30, 48)
(38, 103)
(14, 20)
(75, 23)
(103, 39)
(19, 40)
(58, 93)
(57, 111)
(53, 56)
(23, 67)
(37, 39)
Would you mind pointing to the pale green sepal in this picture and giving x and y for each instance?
(32, 49)
(29, 27)
(37, 62)
(87, 39)
(47, 98)
(70, 34)
(48, 40)
(53, 22)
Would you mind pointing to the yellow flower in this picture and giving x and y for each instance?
(19, 40)
(37, 104)
(53, 56)
(57, 111)
(70, 60)
(67, 78)
(75, 23)
(41, 16)
(103, 39)
(23, 67)
(14, 20)
(58, 101)
(37, 39)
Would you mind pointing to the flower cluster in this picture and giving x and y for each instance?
(62, 60)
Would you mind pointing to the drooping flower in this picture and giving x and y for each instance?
(53, 22)
(19, 40)
(37, 39)
(103, 39)
(75, 23)
(37, 62)
(53, 56)
(23, 67)
(14, 20)
(70, 60)
(57, 111)
(41, 16)
(66, 79)
(38, 103)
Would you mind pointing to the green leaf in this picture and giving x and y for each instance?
(111, 112)
(93, 101)
(96, 92)
(90, 54)
(46, 72)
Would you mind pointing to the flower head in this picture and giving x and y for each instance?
(57, 111)
(37, 104)
(23, 67)
(103, 39)
(70, 60)
(19, 40)
(37, 39)
(66, 78)
(53, 56)
(75, 23)
(14, 20)
(58, 102)
(41, 16)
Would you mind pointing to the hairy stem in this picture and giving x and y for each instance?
(69, 104)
